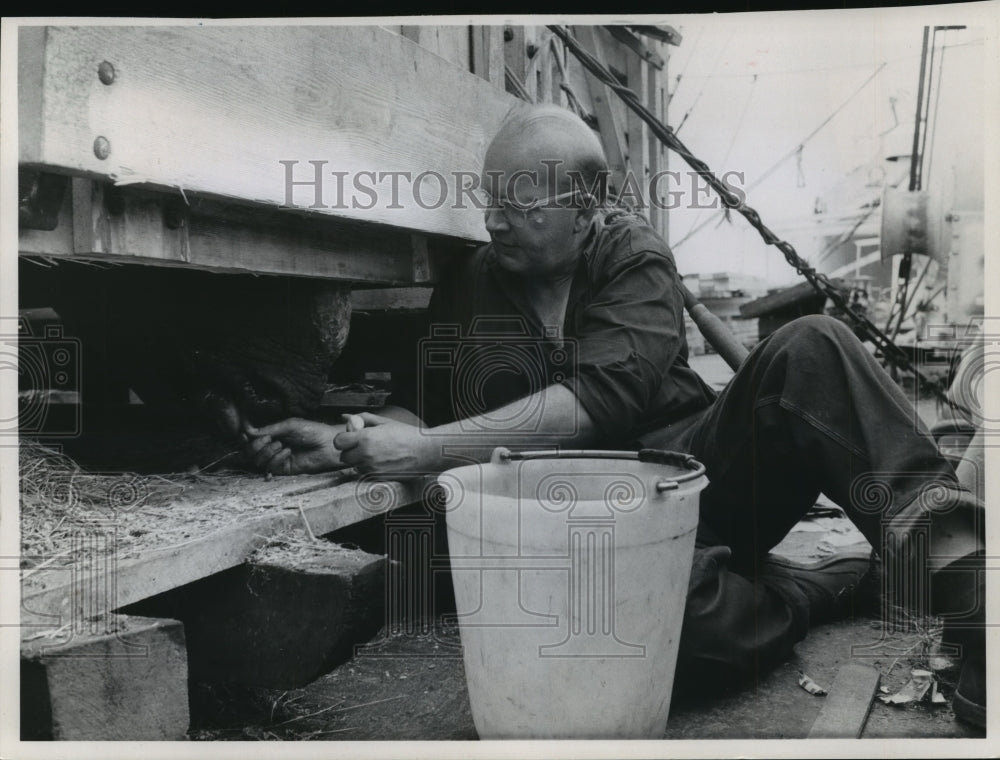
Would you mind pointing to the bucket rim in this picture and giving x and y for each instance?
(503, 455)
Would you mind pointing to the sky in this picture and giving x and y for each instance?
(752, 87)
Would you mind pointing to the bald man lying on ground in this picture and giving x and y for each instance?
(809, 411)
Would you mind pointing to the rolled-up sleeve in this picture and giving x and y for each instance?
(626, 339)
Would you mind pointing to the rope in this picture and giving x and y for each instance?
(893, 353)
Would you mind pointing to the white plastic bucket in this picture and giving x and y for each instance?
(571, 573)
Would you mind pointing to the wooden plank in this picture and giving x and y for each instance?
(53, 596)
(547, 93)
(422, 265)
(390, 299)
(531, 71)
(638, 139)
(636, 45)
(448, 42)
(601, 96)
(663, 104)
(452, 44)
(411, 32)
(663, 33)
(214, 111)
(488, 54)
(30, 76)
(75, 690)
(654, 150)
(846, 706)
(222, 237)
(514, 54)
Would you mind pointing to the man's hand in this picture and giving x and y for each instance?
(293, 446)
(389, 447)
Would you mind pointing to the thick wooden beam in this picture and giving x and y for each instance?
(102, 222)
(214, 111)
(281, 622)
(76, 690)
(91, 585)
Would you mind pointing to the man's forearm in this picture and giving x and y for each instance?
(551, 417)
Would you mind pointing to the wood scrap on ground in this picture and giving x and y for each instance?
(846, 708)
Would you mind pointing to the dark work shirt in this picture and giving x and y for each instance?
(623, 351)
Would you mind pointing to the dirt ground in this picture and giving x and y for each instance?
(409, 682)
(411, 686)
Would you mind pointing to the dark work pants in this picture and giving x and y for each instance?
(809, 411)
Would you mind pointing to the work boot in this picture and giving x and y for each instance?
(834, 587)
(969, 700)
(959, 592)
(941, 539)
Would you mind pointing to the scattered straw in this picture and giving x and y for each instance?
(60, 500)
(66, 510)
(297, 550)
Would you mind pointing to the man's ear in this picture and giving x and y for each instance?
(584, 218)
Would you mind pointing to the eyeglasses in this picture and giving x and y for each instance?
(518, 214)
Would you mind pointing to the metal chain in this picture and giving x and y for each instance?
(893, 353)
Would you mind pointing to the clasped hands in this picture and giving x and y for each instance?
(382, 446)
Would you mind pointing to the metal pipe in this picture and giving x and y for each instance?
(715, 330)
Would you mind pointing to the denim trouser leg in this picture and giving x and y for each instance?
(809, 411)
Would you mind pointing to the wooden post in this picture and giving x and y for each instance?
(653, 145)
(514, 54)
(663, 110)
(545, 64)
(488, 53)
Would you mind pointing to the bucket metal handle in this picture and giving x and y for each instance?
(653, 456)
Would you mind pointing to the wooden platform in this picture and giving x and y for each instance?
(107, 567)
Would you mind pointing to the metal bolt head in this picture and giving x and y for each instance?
(106, 72)
(102, 147)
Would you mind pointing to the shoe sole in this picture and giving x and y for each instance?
(820, 564)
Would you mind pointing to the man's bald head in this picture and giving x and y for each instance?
(552, 141)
